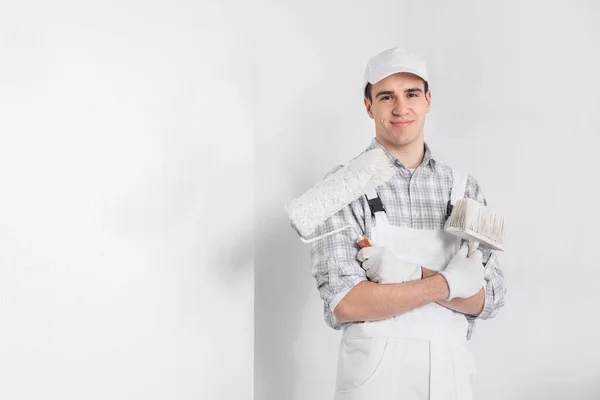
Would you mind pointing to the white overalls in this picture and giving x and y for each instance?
(421, 354)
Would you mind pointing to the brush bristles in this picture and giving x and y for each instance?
(472, 216)
(366, 172)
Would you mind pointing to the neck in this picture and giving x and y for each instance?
(411, 155)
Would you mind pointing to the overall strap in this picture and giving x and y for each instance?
(459, 185)
(377, 209)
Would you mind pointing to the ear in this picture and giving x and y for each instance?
(428, 100)
(368, 106)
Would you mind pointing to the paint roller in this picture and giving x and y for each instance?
(366, 172)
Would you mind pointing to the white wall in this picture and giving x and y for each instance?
(126, 253)
(515, 102)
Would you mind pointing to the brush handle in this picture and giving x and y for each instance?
(472, 248)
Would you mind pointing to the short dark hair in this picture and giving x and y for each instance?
(368, 88)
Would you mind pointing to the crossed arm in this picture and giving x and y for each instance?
(369, 301)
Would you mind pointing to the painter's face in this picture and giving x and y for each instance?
(398, 108)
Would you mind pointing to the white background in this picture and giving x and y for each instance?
(126, 238)
(515, 103)
(126, 156)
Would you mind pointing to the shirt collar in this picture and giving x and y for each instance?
(427, 158)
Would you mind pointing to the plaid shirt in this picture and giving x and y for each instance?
(334, 264)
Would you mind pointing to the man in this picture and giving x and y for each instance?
(408, 304)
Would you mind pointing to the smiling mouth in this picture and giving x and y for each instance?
(402, 123)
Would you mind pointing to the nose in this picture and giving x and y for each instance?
(400, 108)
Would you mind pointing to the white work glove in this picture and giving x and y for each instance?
(383, 266)
(464, 274)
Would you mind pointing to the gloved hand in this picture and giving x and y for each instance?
(464, 274)
(383, 266)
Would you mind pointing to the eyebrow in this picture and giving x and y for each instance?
(388, 92)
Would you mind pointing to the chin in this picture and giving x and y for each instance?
(403, 140)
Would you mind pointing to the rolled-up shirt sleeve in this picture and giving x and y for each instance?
(334, 265)
(495, 287)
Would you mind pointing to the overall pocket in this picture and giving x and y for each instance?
(358, 361)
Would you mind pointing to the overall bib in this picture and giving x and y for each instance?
(421, 354)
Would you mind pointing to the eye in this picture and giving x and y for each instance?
(413, 95)
(386, 97)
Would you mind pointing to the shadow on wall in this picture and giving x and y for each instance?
(225, 221)
(195, 216)
(283, 285)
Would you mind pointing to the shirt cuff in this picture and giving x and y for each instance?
(488, 303)
(485, 311)
(335, 300)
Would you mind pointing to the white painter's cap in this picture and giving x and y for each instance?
(392, 61)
